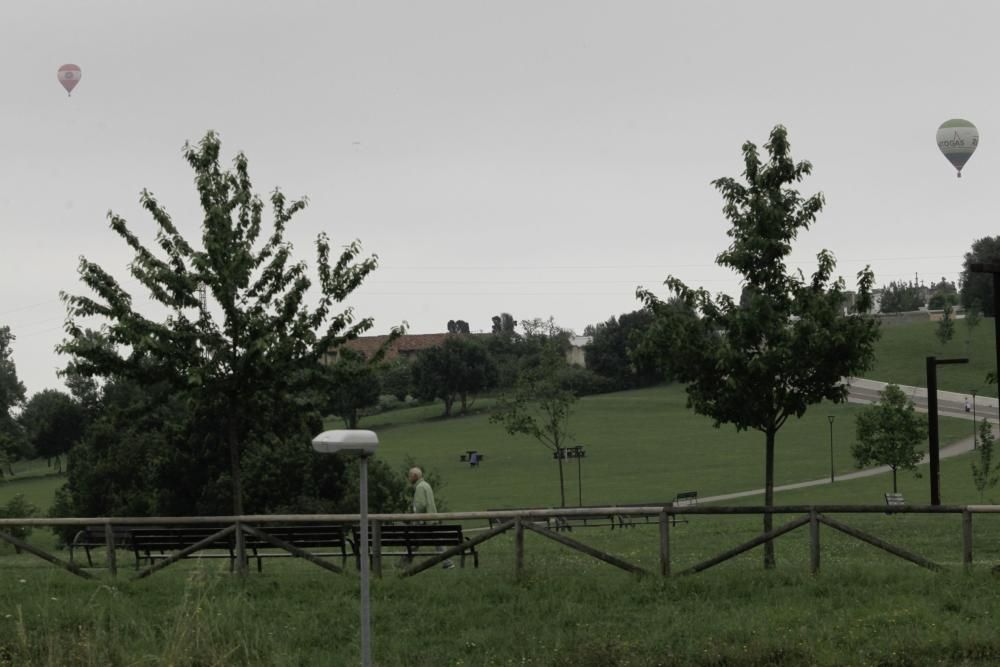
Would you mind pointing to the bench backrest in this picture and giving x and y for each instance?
(305, 536)
(894, 499)
(175, 538)
(686, 498)
(95, 536)
(414, 536)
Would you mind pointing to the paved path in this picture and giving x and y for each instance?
(866, 392)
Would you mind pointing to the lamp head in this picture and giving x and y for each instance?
(346, 440)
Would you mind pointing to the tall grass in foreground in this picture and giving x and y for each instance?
(863, 608)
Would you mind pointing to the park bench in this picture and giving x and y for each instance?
(894, 500)
(567, 522)
(629, 520)
(329, 539)
(683, 499)
(152, 543)
(94, 537)
(412, 540)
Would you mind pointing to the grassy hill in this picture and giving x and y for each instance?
(642, 446)
(903, 349)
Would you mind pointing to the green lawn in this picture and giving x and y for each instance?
(642, 446)
(903, 349)
(864, 608)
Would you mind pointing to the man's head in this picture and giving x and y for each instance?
(415, 475)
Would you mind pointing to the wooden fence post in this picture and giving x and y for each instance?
(967, 538)
(664, 544)
(813, 541)
(377, 548)
(241, 550)
(109, 541)
(518, 548)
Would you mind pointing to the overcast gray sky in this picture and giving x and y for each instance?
(540, 158)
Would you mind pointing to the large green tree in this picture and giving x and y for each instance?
(612, 352)
(13, 445)
(888, 433)
(758, 364)
(979, 286)
(53, 422)
(901, 297)
(458, 369)
(349, 385)
(942, 293)
(240, 360)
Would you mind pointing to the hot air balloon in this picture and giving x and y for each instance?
(957, 139)
(69, 76)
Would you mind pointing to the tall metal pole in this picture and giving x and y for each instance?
(932, 424)
(830, 417)
(974, 437)
(366, 631)
(932, 430)
(579, 474)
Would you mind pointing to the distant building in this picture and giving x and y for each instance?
(403, 347)
(576, 354)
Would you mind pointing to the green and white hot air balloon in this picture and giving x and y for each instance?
(957, 139)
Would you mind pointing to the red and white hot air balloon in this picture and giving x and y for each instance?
(69, 76)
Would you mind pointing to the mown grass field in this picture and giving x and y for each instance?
(642, 446)
(902, 351)
(863, 608)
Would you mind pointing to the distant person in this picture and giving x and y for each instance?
(474, 459)
(423, 503)
(968, 407)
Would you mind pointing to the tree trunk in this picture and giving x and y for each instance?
(769, 497)
(448, 402)
(232, 435)
(562, 480)
(465, 406)
(894, 479)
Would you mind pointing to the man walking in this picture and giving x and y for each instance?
(423, 502)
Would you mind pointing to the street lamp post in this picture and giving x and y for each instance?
(974, 437)
(578, 452)
(830, 417)
(933, 438)
(363, 443)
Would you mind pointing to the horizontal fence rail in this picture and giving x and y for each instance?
(211, 529)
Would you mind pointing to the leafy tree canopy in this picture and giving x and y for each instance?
(979, 286)
(612, 352)
(241, 362)
(53, 422)
(758, 364)
(458, 369)
(348, 386)
(900, 297)
(888, 433)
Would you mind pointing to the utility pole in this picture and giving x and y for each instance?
(933, 452)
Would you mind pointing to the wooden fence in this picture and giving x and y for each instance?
(517, 520)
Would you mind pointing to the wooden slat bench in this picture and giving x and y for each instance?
(894, 500)
(330, 539)
(152, 543)
(563, 522)
(684, 499)
(93, 537)
(409, 541)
